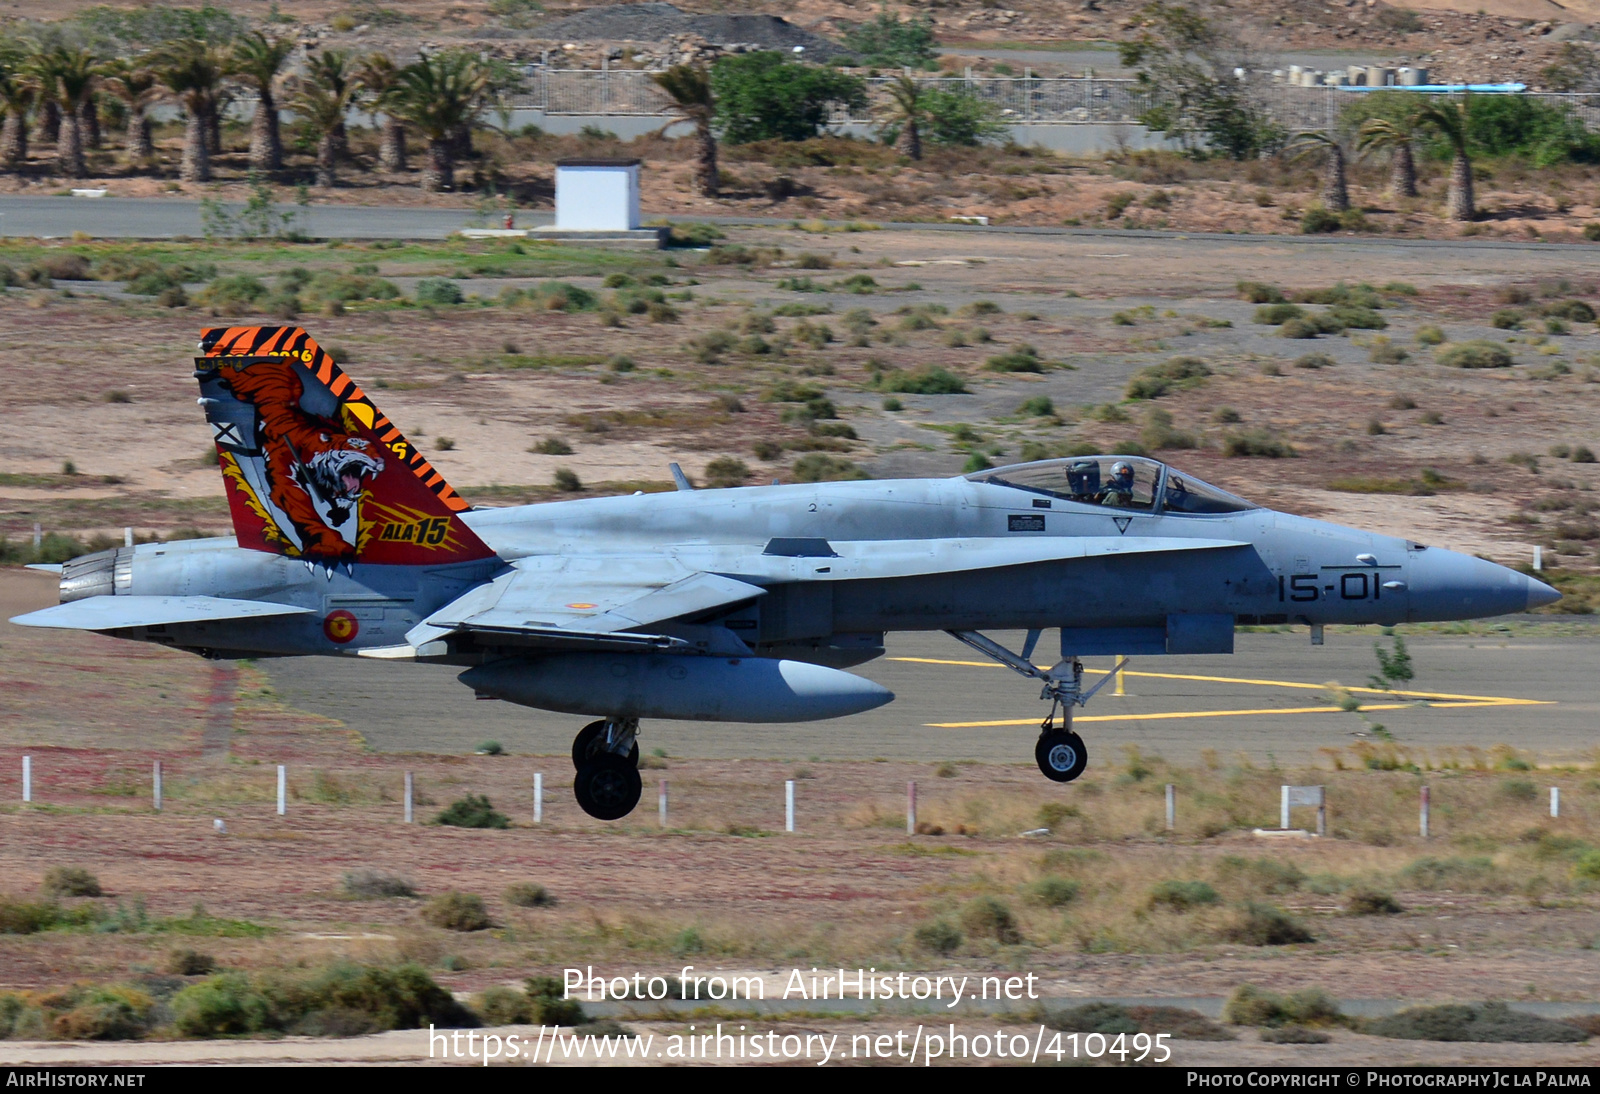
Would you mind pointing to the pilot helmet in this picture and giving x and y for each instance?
(1121, 469)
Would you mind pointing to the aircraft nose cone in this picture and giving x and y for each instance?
(1540, 594)
(1446, 585)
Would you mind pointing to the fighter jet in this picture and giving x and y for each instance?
(740, 605)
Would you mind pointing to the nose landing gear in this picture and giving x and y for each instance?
(606, 754)
(1060, 752)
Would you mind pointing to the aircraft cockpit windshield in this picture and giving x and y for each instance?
(1122, 482)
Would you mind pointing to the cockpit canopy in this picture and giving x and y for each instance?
(1125, 482)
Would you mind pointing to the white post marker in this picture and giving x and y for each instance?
(911, 808)
(410, 790)
(38, 536)
(1425, 803)
(1172, 807)
(661, 804)
(788, 805)
(283, 786)
(1306, 796)
(1555, 801)
(127, 537)
(1538, 558)
(1283, 821)
(538, 797)
(155, 785)
(27, 778)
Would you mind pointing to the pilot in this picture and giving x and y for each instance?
(1177, 494)
(1118, 490)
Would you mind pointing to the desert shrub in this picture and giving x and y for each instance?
(822, 467)
(1314, 360)
(765, 96)
(1468, 1022)
(939, 936)
(341, 999)
(346, 288)
(1372, 902)
(546, 1004)
(1020, 358)
(503, 1006)
(1258, 293)
(184, 961)
(1477, 353)
(1159, 433)
(1180, 896)
(553, 446)
(1039, 406)
(726, 471)
(526, 894)
(1587, 868)
(234, 294)
(472, 811)
(1258, 924)
(438, 291)
(1299, 328)
(26, 917)
(366, 884)
(987, 917)
(927, 380)
(1249, 1005)
(60, 881)
(1574, 310)
(1053, 892)
(1520, 790)
(1318, 218)
(1384, 352)
(1355, 317)
(1180, 373)
(65, 266)
(1506, 319)
(1430, 335)
(1257, 442)
(111, 1012)
(1582, 454)
(1274, 314)
(457, 911)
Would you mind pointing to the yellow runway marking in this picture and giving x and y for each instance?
(1430, 698)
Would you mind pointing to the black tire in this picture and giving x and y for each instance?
(607, 787)
(586, 745)
(1061, 755)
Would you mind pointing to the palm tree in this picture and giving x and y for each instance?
(380, 76)
(1335, 193)
(17, 93)
(323, 97)
(1395, 135)
(138, 88)
(41, 69)
(258, 61)
(73, 72)
(906, 110)
(334, 71)
(440, 95)
(192, 72)
(1450, 119)
(690, 89)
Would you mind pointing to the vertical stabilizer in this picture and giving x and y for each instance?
(314, 470)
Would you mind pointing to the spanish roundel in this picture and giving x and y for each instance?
(340, 626)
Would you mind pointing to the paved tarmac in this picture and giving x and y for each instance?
(1267, 704)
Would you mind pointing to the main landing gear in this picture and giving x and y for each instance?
(606, 754)
(1060, 753)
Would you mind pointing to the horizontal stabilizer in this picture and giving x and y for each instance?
(110, 613)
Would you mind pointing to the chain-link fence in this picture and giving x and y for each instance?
(1021, 100)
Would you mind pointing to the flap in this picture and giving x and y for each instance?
(109, 613)
(583, 606)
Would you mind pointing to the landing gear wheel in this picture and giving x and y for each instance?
(607, 787)
(587, 745)
(1061, 755)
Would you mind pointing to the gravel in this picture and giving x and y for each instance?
(657, 22)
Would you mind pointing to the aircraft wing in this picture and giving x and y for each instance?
(109, 613)
(585, 602)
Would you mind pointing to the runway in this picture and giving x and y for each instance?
(1531, 689)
